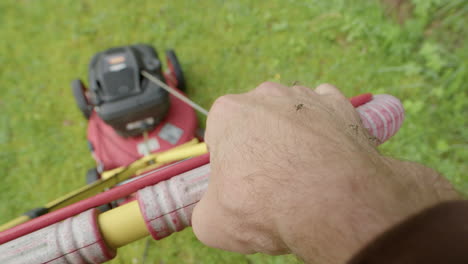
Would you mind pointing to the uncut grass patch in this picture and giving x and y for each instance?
(224, 47)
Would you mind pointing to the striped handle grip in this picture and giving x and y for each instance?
(383, 115)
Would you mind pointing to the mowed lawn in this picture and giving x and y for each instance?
(415, 50)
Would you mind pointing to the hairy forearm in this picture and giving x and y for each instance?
(433, 236)
(424, 179)
(350, 222)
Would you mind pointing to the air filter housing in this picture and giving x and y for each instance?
(123, 98)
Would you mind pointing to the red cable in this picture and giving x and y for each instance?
(361, 99)
(102, 198)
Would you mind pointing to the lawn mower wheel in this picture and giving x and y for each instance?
(175, 69)
(78, 90)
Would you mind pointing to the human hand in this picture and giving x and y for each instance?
(291, 174)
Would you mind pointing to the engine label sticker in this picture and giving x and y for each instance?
(116, 63)
(171, 133)
(146, 147)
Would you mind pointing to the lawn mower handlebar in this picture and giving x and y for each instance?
(160, 209)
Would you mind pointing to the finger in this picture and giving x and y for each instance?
(338, 99)
(219, 111)
(303, 90)
(328, 89)
(270, 89)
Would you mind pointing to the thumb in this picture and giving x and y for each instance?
(214, 228)
(207, 221)
(201, 222)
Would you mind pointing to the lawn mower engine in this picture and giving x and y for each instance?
(129, 116)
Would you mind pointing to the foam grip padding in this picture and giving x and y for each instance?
(167, 206)
(75, 240)
(382, 116)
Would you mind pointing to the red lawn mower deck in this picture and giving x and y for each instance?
(110, 150)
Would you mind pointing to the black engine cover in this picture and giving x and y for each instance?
(124, 99)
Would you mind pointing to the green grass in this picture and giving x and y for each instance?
(225, 47)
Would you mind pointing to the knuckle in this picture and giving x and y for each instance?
(266, 84)
(266, 87)
(226, 107)
(303, 89)
(326, 86)
(330, 90)
(221, 107)
(221, 103)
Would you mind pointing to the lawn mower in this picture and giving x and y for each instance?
(129, 117)
(172, 171)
